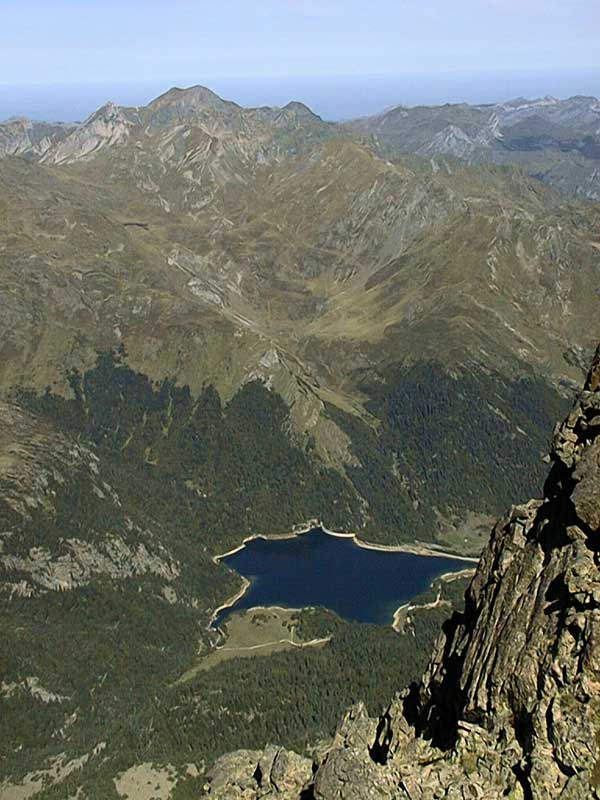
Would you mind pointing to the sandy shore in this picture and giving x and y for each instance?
(447, 577)
(294, 610)
(417, 549)
(397, 614)
(248, 539)
(228, 603)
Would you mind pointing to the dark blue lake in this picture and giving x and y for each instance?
(316, 569)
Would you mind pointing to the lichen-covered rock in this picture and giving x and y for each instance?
(251, 774)
(350, 774)
(509, 706)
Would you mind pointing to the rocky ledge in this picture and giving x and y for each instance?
(509, 706)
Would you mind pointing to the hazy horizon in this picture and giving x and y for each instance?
(344, 58)
(333, 97)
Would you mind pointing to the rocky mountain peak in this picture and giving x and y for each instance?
(294, 114)
(106, 112)
(108, 125)
(300, 110)
(510, 703)
(183, 104)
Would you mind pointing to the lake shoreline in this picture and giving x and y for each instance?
(415, 548)
(447, 577)
(228, 604)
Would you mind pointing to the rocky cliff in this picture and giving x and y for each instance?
(509, 705)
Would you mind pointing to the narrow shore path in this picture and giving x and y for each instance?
(408, 607)
(311, 643)
(228, 603)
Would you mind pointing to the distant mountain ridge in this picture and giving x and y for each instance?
(112, 124)
(558, 141)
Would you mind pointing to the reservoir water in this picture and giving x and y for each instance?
(317, 569)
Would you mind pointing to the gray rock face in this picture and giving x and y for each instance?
(510, 703)
(24, 137)
(254, 774)
(555, 140)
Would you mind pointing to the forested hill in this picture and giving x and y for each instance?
(112, 504)
(434, 445)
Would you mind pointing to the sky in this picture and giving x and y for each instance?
(167, 42)
(81, 40)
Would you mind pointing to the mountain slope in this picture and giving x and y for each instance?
(23, 137)
(217, 321)
(558, 141)
(219, 245)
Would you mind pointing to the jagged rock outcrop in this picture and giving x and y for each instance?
(510, 703)
(107, 126)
